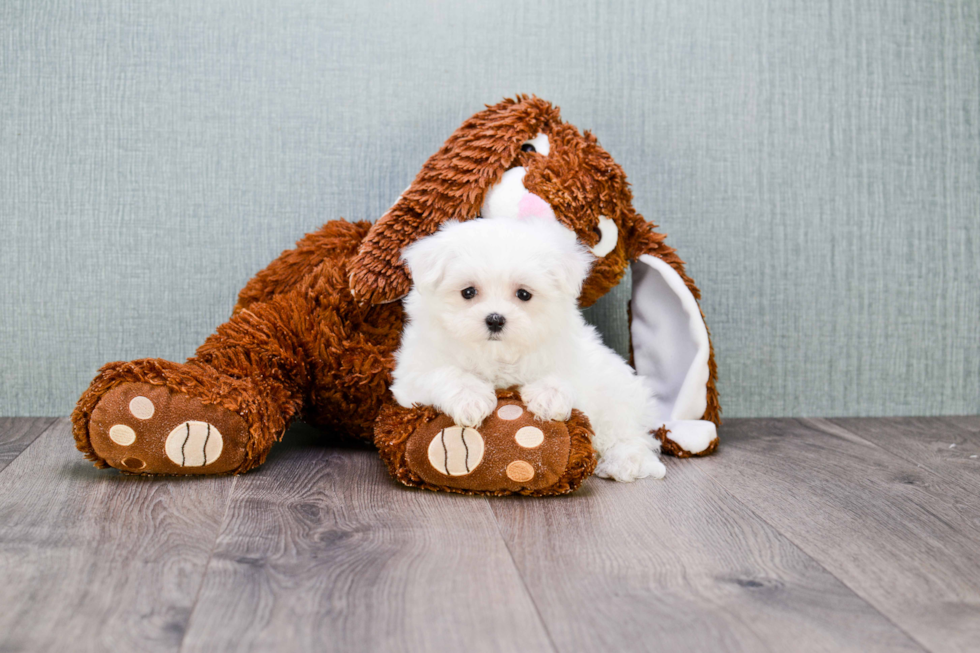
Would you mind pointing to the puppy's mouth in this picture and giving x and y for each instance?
(495, 337)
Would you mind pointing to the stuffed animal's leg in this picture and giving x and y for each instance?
(331, 244)
(218, 413)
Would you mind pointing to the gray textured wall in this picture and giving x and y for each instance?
(817, 164)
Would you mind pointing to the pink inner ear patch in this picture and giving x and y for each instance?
(532, 206)
(510, 412)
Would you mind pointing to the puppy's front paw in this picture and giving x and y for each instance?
(629, 461)
(470, 406)
(547, 401)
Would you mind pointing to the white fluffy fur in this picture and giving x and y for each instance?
(449, 358)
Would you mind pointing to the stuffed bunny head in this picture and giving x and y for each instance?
(513, 159)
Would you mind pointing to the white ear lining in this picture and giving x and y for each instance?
(610, 236)
(503, 197)
(670, 350)
(670, 341)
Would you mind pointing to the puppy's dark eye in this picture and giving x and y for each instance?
(468, 293)
(527, 147)
(523, 295)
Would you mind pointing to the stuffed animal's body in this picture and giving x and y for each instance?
(313, 335)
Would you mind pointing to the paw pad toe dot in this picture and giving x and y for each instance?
(122, 435)
(133, 463)
(529, 437)
(520, 471)
(141, 408)
(510, 412)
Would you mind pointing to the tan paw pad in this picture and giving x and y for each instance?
(456, 451)
(193, 444)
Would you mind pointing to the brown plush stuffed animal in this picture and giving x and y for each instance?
(312, 336)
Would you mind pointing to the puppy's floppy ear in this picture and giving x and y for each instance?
(571, 267)
(451, 185)
(427, 260)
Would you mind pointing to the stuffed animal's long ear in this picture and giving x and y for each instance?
(451, 185)
(671, 345)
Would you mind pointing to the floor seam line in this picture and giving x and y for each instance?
(207, 565)
(520, 575)
(50, 425)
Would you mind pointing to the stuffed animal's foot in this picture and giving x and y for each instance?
(152, 417)
(686, 438)
(511, 452)
(149, 429)
(630, 461)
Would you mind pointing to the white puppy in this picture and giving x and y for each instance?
(495, 305)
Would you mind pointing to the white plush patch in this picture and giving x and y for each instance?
(541, 144)
(456, 451)
(520, 471)
(141, 408)
(508, 198)
(670, 341)
(510, 412)
(529, 437)
(122, 435)
(692, 435)
(610, 236)
(503, 198)
(193, 444)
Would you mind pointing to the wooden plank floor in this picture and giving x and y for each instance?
(798, 535)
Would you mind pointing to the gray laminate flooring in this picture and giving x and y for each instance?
(798, 535)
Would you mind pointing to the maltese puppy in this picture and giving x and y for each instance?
(494, 305)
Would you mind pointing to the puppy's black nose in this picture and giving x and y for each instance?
(495, 322)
